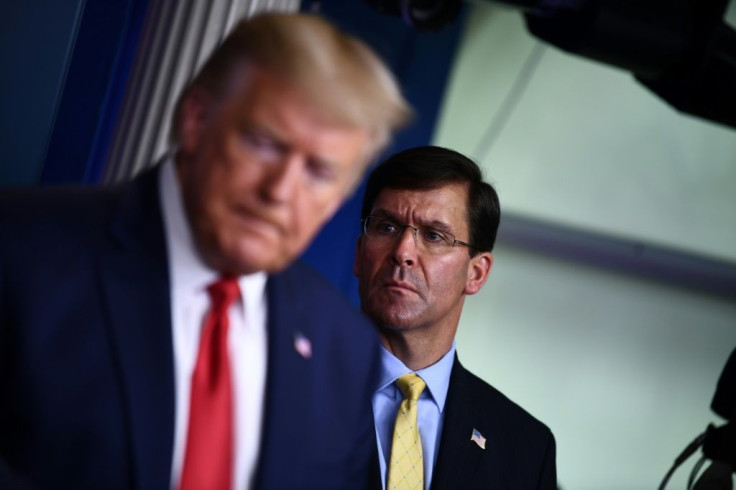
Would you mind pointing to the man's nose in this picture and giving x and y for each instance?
(283, 180)
(406, 246)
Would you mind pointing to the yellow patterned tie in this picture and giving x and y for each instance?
(406, 467)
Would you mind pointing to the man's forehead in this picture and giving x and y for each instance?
(276, 108)
(395, 195)
(445, 203)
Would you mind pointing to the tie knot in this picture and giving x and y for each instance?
(411, 386)
(223, 292)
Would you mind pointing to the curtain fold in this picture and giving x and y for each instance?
(177, 38)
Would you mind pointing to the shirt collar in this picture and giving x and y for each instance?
(190, 274)
(436, 376)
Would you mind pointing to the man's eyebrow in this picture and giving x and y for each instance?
(275, 136)
(382, 213)
(325, 162)
(439, 225)
(260, 130)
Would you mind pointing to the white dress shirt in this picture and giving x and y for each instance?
(430, 408)
(247, 336)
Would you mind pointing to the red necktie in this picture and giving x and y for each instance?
(208, 461)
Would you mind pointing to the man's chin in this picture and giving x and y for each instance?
(251, 258)
(399, 318)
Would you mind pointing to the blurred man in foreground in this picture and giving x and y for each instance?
(157, 334)
(429, 225)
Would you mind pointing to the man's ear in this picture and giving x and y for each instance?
(479, 269)
(195, 109)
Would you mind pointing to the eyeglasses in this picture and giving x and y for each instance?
(431, 240)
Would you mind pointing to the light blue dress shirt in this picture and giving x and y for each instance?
(430, 411)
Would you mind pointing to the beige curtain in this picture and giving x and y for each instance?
(176, 38)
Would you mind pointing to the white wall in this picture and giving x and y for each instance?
(622, 369)
(589, 146)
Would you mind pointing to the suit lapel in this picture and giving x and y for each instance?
(134, 272)
(459, 457)
(288, 407)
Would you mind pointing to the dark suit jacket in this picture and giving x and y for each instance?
(519, 450)
(86, 356)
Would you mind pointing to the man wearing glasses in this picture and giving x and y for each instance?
(429, 225)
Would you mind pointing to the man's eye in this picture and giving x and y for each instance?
(321, 172)
(431, 235)
(263, 145)
(386, 227)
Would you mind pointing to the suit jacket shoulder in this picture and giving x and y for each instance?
(85, 343)
(44, 219)
(519, 450)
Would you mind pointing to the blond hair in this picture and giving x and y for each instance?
(336, 74)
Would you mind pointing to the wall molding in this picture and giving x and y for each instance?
(620, 255)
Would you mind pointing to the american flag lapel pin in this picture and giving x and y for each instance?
(478, 438)
(302, 345)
